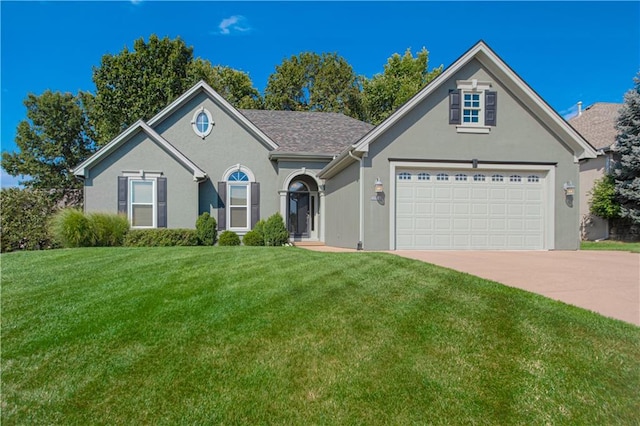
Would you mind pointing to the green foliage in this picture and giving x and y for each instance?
(402, 78)
(107, 230)
(206, 229)
(229, 238)
(313, 82)
(71, 228)
(275, 231)
(627, 146)
(255, 237)
(161, 237)
(233, 85)
(23, 222)
(603, 199)
(55, 137)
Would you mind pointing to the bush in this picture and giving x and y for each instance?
(161, 237)
(603, 201)
(107, 230)
(229, 238)
(206, 229)
(255, 237)
(275, 232)
(23, 222)
(71, 228)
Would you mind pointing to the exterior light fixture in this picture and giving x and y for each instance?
(569, 188)
(378, 187)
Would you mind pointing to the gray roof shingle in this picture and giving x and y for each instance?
(312, 132)
(597, 124)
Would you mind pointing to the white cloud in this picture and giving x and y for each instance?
(234, 24)
(570, 112)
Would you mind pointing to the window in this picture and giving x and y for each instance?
(533, 179)
(142, 204)
(404, 176)
(497, 178)
(202, 122)
(515, 178)
(238, 203)
(471, 108)
(442, 176)
(461, 177)
(424, 176)
(479, 178)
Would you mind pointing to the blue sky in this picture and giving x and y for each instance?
(567, 51)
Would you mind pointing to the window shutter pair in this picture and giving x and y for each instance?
(222, 208)
(161, 199)
(490, 107)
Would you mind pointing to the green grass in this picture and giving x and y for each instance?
(255, 335)
(610, 245)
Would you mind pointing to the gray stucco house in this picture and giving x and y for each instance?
(476, 160)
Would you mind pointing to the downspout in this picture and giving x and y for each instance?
(361, 205)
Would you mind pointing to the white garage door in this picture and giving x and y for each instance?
(479, 210)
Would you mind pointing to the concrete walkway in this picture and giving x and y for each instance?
(607, 282)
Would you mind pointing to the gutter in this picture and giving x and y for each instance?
(361, 204)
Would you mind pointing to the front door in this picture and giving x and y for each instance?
(300, 210)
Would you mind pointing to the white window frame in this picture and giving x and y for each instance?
(194, 124)
(473, 87)
(228, 206)
(154, 202)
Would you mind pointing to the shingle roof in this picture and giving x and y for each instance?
(597, 124)
(302, 131)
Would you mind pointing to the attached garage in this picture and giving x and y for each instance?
(472, 209)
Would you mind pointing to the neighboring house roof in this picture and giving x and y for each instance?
(597, 124)
(82, 169)
(512, 81)
(307, 131)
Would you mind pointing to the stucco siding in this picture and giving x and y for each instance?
(342, 208)
(141, 153)
(425, 134)
(592, 227)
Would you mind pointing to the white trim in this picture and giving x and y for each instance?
(473, 85)
(549, 190)
(238, 168)
(318, 233)
(225, 178)
(194, 124)
(141, 174)
(469, 128)
(295, 173)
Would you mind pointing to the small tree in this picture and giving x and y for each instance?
(255, 237)
(603, 199)
(275, 231)
(206, 229)
(627, 168)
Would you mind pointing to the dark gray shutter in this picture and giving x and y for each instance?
(162, 202)
(490, 108)
(455, 116)
(222, 211)
(123, 184)
(255, 203)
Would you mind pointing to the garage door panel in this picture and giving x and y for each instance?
(455, 209)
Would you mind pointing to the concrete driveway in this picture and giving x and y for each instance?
(606, 282)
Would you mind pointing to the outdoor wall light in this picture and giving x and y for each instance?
(569, 188)
(378, 187)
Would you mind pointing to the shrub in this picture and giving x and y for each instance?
(206, 229)
(161, 237)
(275, 232)
(107, 230)
(229, 238)
(71, 228)
(603, 198)
(23, 222)
(255, 237)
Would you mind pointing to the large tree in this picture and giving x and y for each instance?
(627, 168)
(314, 82)
(137, 84)
(233, 85)
(55, 137)
(402, 78)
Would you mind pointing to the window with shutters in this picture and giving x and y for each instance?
(142, 203)
(142, 197)
(472, 106)
(238, 200)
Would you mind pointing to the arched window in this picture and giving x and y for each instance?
(240, 195)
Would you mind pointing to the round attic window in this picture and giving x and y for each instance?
(202, 123)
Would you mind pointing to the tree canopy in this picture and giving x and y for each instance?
(55, 137)
(233, 85)
(627, 168)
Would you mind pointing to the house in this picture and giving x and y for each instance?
(475, 160)
(597, 125)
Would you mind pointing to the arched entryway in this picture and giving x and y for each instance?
(302, 208)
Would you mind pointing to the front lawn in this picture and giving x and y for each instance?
(256, 335)
(610, 245)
